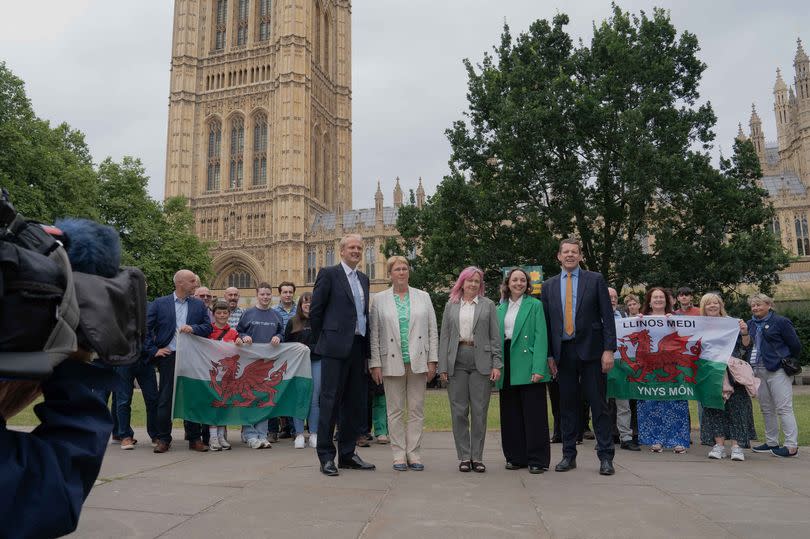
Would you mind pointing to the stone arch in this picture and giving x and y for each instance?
(228, 262)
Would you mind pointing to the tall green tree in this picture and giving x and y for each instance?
(48, 170)
(157, 238)
(605, 141)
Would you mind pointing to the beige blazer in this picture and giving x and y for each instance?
(486, 336)
(385, 339)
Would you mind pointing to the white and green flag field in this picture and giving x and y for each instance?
(219, 383)
(672, 358)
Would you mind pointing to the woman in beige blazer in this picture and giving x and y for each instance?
(470, 359)
(404, 343)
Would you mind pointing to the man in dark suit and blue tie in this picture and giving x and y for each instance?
(168, 315)
(339, 319)
(583, 340)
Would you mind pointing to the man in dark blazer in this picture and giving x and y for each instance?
(582, 339)
(168, 315)
(339, 319)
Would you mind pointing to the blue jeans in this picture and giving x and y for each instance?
(315, 405)
(257, 431)
(144, 373)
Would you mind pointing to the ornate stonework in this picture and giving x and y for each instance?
(259, 137)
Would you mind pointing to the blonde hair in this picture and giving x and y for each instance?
(396, 259)
(345, 239)
(707, 298)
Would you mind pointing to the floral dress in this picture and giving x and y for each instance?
(663, 422)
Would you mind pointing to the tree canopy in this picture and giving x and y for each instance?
(606, 141)
(49, 173)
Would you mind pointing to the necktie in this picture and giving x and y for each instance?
(358, 303)
(569, 306)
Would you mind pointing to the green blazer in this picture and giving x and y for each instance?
(529, 351)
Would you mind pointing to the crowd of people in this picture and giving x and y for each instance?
(372, 358)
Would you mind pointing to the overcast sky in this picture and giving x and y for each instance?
(103, 67)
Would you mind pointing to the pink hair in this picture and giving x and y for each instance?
(457, 291)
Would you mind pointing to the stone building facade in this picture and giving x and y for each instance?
(786, 170)
(259, 136)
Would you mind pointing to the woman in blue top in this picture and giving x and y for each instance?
(774, 338)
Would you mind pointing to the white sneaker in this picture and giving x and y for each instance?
(717, 452)
(737, 453)
(313, 440)
(265, 444)
(255, 443)
(223, 442)
(299, 442)
(213, 444)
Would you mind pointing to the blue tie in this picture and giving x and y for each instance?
(358, 303)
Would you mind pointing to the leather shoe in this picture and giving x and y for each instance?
(356, 463)
(606, 468)
(198, 445)
(513, 466)
(535, 469)
(160, 447)
(556, 440)
(566, 464)
(630, 445)
(328, 468)
(400, 467)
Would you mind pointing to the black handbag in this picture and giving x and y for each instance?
(791, 366)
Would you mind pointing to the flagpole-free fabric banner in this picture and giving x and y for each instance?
(672, 358)
(219, 383)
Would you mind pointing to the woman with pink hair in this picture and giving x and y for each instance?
(470, 360)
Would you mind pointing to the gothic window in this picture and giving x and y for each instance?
(776, 228)
(311, 271)
(316, 169)
(214, 146)
(327, 180)
(370, 258)
(316, 34)
(802, 236)
(260, 149)
(237, 152)
(242, 23)
(264, 20)
(325, 43)
(330, 256)
(241, 279)
(220, 27)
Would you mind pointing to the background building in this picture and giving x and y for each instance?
(786, 170)
(259, 138)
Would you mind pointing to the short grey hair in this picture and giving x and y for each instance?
(760, 298)
(345, 239)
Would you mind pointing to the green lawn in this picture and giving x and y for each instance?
(437, 414)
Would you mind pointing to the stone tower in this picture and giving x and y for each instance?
(259, 135)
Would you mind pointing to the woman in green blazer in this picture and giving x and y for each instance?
(524, 416)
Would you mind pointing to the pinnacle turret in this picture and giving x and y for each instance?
(779, 85)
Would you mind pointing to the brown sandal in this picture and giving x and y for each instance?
(464, 466)
(479, 467)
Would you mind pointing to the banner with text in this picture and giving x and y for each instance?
(672, 358)
(219, 383)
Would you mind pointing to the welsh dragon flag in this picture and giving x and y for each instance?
(219, 383)
(675, 358)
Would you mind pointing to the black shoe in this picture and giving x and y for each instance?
(606, 467)
(513, 466)
(566, 464)
(535, 469)
(630, 445)
(328, 468)
(556, 440)
(355, 463)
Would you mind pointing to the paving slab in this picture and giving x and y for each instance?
(280, 492)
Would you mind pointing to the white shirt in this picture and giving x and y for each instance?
(466, 316)
(349, 271)
(511, 315)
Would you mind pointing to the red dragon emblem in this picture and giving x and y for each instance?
(256, 377)
(670, 355)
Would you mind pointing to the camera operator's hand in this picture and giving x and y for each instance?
(186, 329)
(163, 352)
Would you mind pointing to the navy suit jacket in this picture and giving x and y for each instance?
(332, 314)
(595, 329)
(161, 324)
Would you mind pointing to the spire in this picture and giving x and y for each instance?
(378, 201)
(757, 136)
(754, 116)
(397, 194)
(740, 135)
(779, 85)
(801, 56)
(420, 194)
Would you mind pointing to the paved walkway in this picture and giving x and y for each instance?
(246, 493)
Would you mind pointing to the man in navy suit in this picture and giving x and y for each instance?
(339, 319)
(168, 315)
(583, 339)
